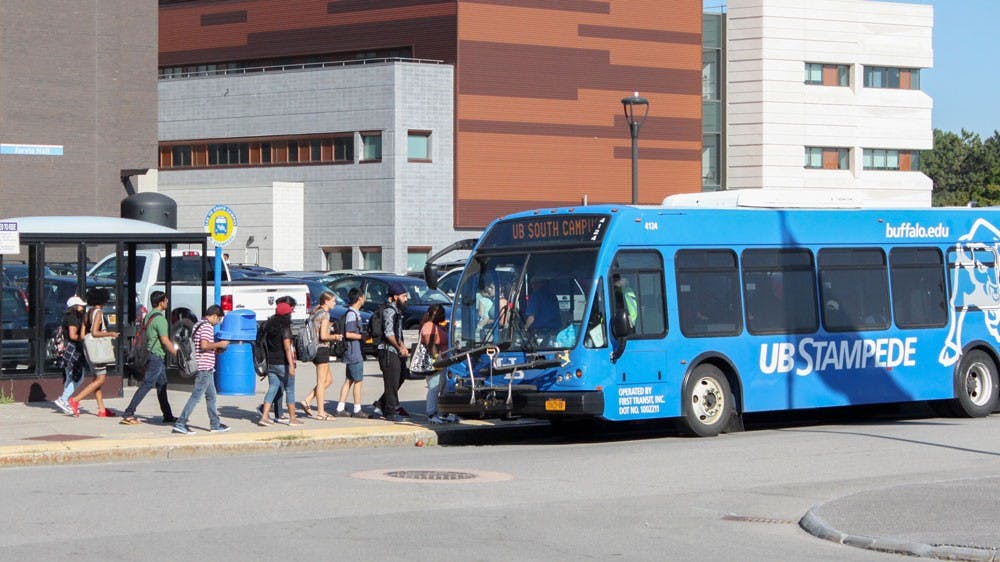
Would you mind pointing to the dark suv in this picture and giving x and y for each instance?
(376, 289)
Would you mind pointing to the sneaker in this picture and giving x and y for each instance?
(359, 414)
(436, 419)
(396, 418)
(106, 413)
(376, 411)
(183, 429)
(451, 418)
(343, 414)
(221, 429)
(62, 405)
(75, 404)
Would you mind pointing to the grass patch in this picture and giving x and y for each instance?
(288, 438)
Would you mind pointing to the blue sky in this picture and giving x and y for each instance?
(963, 82)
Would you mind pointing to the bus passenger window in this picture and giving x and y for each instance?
(854, 288)
(708, 293)
(918, 296)
(779, 288)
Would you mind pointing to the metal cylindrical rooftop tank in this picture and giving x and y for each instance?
(151, 207)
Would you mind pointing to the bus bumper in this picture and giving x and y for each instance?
(491, 403)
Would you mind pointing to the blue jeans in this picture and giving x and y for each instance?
(204, 383)
(156, 375)
(278, 377)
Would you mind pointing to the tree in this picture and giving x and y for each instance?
(963, 168)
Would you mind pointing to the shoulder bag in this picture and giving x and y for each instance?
(99, 351)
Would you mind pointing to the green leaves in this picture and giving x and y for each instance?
(964, 168)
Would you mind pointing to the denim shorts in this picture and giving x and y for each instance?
(356, 371)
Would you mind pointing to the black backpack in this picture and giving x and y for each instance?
(339, 326)
(376, 325)
(187, 351)
(260, 351)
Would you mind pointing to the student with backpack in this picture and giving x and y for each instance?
(354, 358)
(158, 343)
(280, 363)
(73, 329)
(391, 352)
(205, 349)
(316, 339)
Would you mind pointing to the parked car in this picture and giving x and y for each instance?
(448, 282)
(338, 274)
(376, 289)
(17, 273)
(257, 294)
(16, 351)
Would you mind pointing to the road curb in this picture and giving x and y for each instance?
(182, 446)
(818, 527)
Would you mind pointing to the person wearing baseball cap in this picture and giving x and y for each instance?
(392, 352)
(73, 330)
(280, 362)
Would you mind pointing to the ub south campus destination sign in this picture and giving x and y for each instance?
(547, 231)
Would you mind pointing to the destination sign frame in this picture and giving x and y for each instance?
(547, 231)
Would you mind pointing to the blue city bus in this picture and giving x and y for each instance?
(634, 313)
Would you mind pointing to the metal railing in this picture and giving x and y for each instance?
(210, 73)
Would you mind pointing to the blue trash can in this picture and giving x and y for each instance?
(234, 374)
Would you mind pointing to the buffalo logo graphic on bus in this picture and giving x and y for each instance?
(975, 284)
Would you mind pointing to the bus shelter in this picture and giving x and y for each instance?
(52, 265)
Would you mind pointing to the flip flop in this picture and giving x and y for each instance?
(306, 409)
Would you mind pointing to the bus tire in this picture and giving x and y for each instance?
(708, 402)
(975, 385)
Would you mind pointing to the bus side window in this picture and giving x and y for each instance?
(854, 283)
(708, 293)
(918, 297)
(636, 287)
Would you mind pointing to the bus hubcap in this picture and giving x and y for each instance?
(978, 384)
(707, 401)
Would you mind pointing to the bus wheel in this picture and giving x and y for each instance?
(975, 385)
(708, 402)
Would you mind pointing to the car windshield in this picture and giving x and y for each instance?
(531, 301)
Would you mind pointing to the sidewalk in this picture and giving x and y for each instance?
(38, 433)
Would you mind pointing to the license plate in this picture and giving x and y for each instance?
(555, 405)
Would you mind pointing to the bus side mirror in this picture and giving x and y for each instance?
(621, 328)
(431, 275)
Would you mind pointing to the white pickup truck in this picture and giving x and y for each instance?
(256, 294)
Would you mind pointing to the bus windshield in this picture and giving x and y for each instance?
(532, 301)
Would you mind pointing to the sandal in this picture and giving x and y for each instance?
(130, 421)
(306, 409)
(323, 417)
(264, 422)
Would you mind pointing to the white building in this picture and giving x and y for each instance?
(825, 94)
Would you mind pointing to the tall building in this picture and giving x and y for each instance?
(825, 95)
(394, 125)
(77, 104)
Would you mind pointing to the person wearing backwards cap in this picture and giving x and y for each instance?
(280, 362)
(73, 331)
(392, 352)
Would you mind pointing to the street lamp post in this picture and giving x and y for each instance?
(634, 122)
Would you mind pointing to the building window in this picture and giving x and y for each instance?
(890, 159)
(293, 151)
(416, 258)
(338, 258)
(890, 77)
(710, 178)
(229, 154)
(371, 144)
(181, 156)
(343, 149)
(419, 146)
(710, 74)
(826, 158)
(827, 74)
(372, 258)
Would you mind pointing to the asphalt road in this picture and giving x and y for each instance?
(632, 495)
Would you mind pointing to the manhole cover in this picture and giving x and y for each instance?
(60, 437)
(432, 475)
